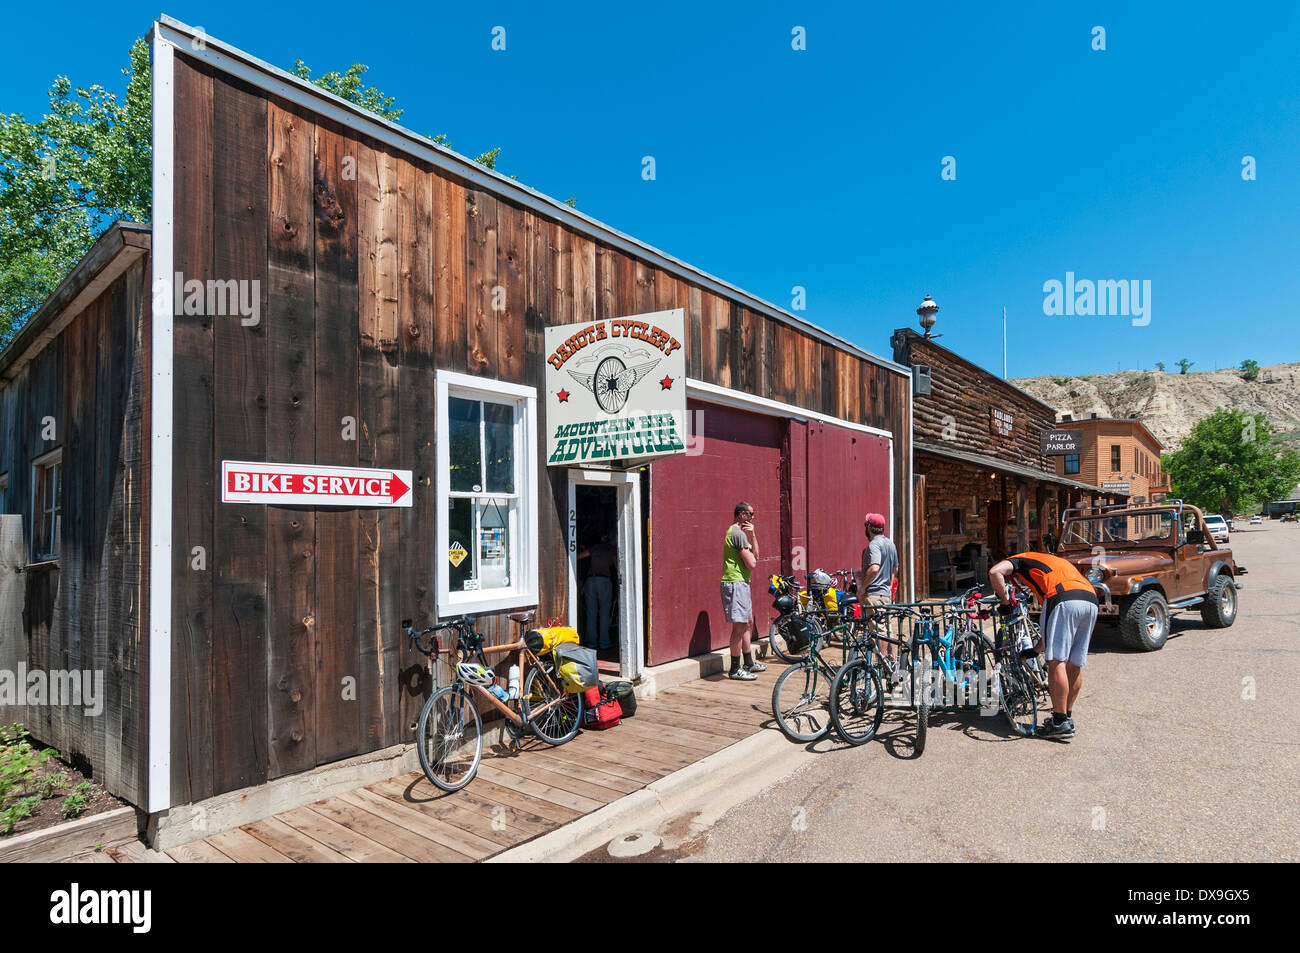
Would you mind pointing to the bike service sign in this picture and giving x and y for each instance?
(289, 484)
(616, 390)
(1055, 443)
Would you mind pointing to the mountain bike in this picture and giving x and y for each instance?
(449, 735)
(802, 697)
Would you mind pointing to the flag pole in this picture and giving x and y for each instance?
(1004, 342)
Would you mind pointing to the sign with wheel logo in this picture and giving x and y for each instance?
(616, 390)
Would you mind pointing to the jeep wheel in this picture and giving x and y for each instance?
(1219, 610)
(1145, 622)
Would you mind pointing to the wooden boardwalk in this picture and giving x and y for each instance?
(514, 798)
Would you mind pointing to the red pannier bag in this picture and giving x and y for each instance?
(602, 710)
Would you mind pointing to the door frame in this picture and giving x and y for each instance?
(631, 623)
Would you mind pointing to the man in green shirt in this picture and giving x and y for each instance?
(739, 556)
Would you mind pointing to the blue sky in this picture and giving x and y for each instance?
(822, 168)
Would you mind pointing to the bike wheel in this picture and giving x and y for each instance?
(449, 738)
(801, 701)
(779, 643)
(1018, 701)
(922, 681)
(556, 724)
(857, 702)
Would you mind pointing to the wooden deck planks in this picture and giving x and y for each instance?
(513, 798)
(242, 847)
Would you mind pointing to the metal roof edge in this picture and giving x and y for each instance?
(1015, 469)
(466, 168)
(120, 237)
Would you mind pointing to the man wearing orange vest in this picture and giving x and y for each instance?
(1069, 614)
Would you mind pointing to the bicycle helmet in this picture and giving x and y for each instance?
(474, 673)
(819, 579)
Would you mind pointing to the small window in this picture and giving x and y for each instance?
(4, 492)
(1071, 463)
(1114, 457)
(950, 521)
(47, 506)
(487, 536)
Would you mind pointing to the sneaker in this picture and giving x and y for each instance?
(1056, 730)
(756, 667)
(741, 675)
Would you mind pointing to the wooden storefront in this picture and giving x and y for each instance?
(385, 268)
(984, 489)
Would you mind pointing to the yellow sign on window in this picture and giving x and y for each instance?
(456, 554)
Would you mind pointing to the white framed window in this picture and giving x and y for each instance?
(486, 523)
(47, 506)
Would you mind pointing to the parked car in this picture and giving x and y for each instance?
(1218, 528)
(1287, 518)
(1147, 560)
(1254, 520)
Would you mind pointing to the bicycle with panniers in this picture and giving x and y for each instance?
(449, 735)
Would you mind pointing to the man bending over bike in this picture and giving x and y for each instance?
(1069, 615)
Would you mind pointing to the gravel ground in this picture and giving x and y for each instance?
(1173, 759)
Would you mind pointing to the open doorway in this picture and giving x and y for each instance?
(605, 569)
(598, 569)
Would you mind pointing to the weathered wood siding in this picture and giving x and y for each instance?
(377, 269)
(84, 392)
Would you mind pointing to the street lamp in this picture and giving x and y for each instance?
(927, 311)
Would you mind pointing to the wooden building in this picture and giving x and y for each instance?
(1118, 454)
(984, 489)
(329, 289)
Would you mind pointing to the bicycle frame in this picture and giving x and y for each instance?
(523, 657)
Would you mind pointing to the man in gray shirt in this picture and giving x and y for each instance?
(879, 567)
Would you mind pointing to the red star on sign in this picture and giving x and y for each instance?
(666, 383)
(563, 395)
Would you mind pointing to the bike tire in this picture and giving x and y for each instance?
(440, 738)
(801, 702)
(557, 724)
(923, 669)
(777, 642)
(1018, 701)
(857, 702)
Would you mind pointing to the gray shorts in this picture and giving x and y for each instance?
(1068, 630)
(737, 605)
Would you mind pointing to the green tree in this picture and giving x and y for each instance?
(1250, 370)
(1160, 366)
(87, 164)
(1231, 461)
(1183, 365)
(64, 178)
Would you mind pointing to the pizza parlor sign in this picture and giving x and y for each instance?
(616, 390)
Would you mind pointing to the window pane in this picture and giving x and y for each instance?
(460, 536)
(463, 424)
(499, 440)
(494, 543)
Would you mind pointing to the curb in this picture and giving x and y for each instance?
(726, 778)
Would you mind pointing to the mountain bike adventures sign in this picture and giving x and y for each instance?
(616, 390)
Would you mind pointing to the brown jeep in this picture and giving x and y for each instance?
(1150, 559)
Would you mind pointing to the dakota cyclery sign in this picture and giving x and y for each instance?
(1057, 442)
(310, 485)
(616, 389)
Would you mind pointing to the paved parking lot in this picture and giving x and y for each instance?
(1186, 754)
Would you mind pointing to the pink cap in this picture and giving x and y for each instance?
(874, 519)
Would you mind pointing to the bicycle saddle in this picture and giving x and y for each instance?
(523, 618)
(848, 599)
